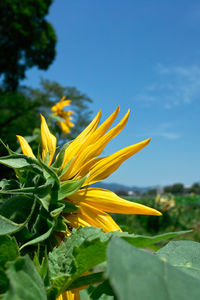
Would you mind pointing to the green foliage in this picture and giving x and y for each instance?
(25, 282)
(8, 252)
(33, 210)
(27, 39)
(137, 274)
(183, 215)
(175, 189)
(184, 255)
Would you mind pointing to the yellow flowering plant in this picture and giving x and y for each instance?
(63, 117)
(57, 226)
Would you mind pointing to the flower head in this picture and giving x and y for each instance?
(58, 111)
(82, 161)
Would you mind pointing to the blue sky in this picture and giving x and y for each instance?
(142, 55)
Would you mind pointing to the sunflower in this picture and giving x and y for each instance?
(58, 111)
(82, 157)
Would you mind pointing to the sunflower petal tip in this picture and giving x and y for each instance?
(148, 141)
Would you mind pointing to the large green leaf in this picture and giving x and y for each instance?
(148, 241)
(183, 254)
(137, 274)
(25, 282)
(84, 249)
(8, 252)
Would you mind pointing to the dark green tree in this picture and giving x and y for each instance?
(26, 39)
(177, 188)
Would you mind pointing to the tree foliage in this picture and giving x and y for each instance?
(20, 113)
(27, 39)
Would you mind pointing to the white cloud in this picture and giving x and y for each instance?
(164, 130)
(175, 85)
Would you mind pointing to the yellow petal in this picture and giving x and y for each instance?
(69, 295)
(26, 149)
(101, 168)
(109, 202)
(91, 216)
(101, 130)
(75, 147)
(48, 141)
(60, 105)
(96, 149)
(64, 127)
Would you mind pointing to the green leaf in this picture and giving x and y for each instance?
(87, 280)
(8, 252)
(8, 184)
(40, 190)
(17, 161)
(103, 291)
(8, 227)
(69, 187)
(13, 211)
(183, 254)
(25, 282)
(84, 249)
(40, 238)
(137, 274)
(42, 268)
(148, 241)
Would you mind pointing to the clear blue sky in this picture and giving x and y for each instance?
(142, 55)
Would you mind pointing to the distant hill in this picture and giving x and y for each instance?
(117, 187)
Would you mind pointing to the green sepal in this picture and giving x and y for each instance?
(50, 174)
(58, 163)
(47, 158)
(61, 225)
(56, 212)
(69, 206)
(69, 187)
(62, 171)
